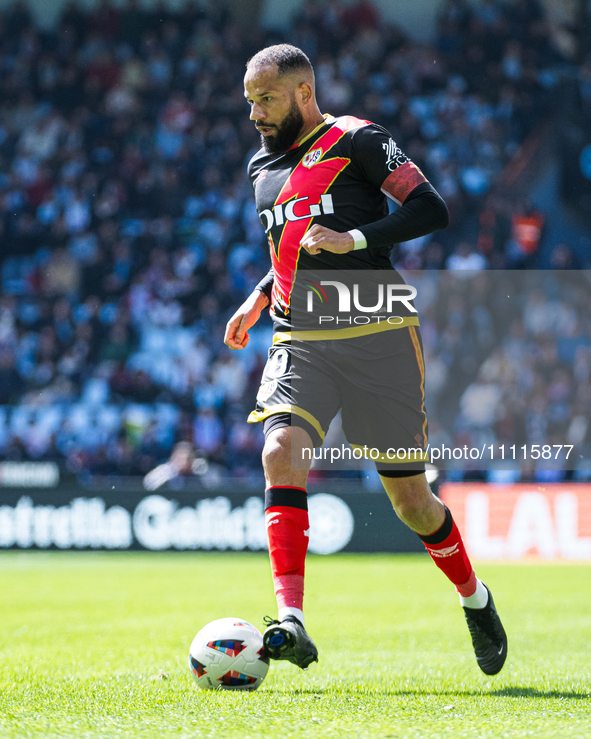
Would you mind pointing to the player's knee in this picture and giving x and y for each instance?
(277, 452)
(411, 499)
(416, 505)
(407, 508)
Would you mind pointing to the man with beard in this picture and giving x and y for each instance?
(321, 185)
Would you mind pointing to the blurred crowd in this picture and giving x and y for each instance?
(128, 229)
(508, 358)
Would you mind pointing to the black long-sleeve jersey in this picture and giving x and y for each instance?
(340, 177)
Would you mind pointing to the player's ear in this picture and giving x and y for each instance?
(306, 93)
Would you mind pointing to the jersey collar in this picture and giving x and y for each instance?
(327, 119)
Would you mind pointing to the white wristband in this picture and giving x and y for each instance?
(358, 238)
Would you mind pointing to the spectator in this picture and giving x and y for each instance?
(62, 275)
(526, 231)
(208, 431)
(465, 258)
(11, 383)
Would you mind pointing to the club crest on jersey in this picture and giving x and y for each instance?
(311, 158)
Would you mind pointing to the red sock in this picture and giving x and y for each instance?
(286, 518)
(448, 552)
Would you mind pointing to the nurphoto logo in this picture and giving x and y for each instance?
(386, 298)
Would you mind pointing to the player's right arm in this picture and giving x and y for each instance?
(236, 336)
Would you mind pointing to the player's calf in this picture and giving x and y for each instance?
(447, 550)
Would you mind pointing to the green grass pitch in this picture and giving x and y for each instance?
(84, 636)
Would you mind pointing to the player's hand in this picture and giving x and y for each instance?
(236, 336)
(319, 237)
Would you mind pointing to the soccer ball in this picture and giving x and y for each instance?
(228, 653)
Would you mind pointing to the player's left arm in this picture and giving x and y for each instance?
(422, 209)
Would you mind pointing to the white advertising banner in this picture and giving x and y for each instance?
(157, 522)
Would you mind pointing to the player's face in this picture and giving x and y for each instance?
(273, 108)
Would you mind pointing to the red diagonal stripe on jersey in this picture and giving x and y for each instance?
(311, 182)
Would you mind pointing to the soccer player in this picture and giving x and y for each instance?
(321, 185)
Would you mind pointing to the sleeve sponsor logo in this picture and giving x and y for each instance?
(394, 155)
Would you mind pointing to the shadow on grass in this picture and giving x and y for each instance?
(509, 692)
(535, 693)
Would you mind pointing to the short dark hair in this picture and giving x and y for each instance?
(288, 59)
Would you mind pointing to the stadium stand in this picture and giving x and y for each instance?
(129, 231)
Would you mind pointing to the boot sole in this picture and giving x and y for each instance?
(281, 644)
(277, 641)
